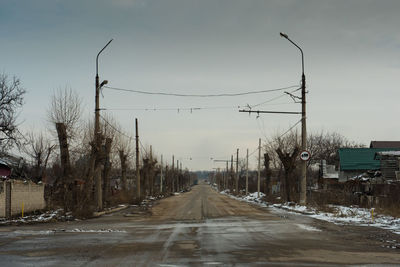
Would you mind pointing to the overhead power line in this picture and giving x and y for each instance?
(289, 129)
(200, 95)
(275, 98)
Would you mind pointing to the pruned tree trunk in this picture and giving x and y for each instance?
(288, 160)
(65, 166)
(106, 171)
(98, 187)
(123, 159)
(44, 172)
(267, 174)
(64, 152)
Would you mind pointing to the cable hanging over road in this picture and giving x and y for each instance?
(200, 95)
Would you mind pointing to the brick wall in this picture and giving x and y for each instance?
(28, 194)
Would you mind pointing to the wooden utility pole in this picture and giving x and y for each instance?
(237, 172)
(161, 175)
(137, 162)
(247, 172)
(259, 167)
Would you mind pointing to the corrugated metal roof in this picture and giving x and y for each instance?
(385, 144)
(360, 158)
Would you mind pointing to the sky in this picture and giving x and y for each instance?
(351, 56)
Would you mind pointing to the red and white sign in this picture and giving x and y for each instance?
(305, 155)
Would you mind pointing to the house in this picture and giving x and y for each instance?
(13, 166)
(5, 170)
(385, 144)
(355, 161)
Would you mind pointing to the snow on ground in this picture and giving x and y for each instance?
(307, 227)
(44, 217)
(339, 214)
(51, 232)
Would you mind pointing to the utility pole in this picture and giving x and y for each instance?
(161, 175)
(219, 180)
(227, 175)
(182, 182)
(231, 184)
(303, 182)
(173, 174)
(178, 186)
(303, 185)
(259, 168)
(97, 135)
(237, 172)
(151, 173)
(247, 172)
(137, 162)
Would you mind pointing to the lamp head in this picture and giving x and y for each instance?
(103, 83)
(284, 35)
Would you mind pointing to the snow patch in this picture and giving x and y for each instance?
(307, 227)
(340, 215)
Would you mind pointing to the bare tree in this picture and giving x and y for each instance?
(66, 107)
(123, 148)
(11, 98)
(325, 145)
(287, 149)
(39, 148)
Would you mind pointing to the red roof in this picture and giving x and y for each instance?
(385, 144)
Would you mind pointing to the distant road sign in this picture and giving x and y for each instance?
(305, 155)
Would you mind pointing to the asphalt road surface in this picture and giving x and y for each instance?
(197, 228)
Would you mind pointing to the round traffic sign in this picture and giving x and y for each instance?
(305, 155)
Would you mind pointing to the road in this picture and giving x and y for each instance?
(197, 228)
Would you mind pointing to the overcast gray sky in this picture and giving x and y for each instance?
(352, 63)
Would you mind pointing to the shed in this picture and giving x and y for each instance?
(355, 161)
(389, 161)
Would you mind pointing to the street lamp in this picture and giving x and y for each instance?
(303, 183)
(98, 188)
(97, 109)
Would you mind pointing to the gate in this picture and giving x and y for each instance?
(8, 199)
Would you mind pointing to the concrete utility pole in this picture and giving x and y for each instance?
(259, 168)
(231, 184)
(178, 186)
(247, 172)
(303, 182)
(237, 172)
(161, 175)
(151, 173)
(227, 175)
(173, 174)
(137, 162)
(182, 182)
(97, 134)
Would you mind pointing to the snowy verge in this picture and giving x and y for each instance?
(338, 215)
(48, 216)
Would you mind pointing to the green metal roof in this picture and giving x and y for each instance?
(360, 158)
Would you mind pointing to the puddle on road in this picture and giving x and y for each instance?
(187, 244)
